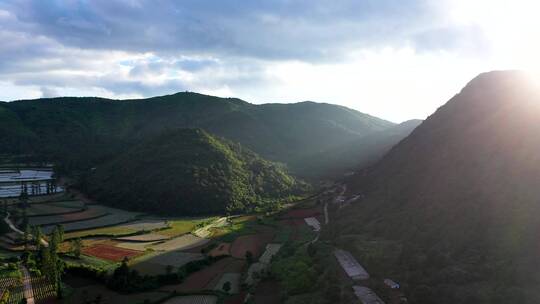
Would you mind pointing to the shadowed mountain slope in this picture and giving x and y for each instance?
(459, 199)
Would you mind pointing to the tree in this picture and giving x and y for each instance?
(226, 286)
(37, 237)
(76, 246)
(57, 268)
(27, 237)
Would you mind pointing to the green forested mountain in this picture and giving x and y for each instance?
(452, 210)
(189, 171)
(79, 132)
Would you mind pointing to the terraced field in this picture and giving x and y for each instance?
(107, 217)
(183, 242)
(90, 213)
(149, 237)
(202, 299)
(55, 208)
(111, 253)
(156, 263)
(121, 229)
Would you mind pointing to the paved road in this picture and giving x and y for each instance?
(28, 291)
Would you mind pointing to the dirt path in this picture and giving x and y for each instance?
(28, 291)
(11, 225)
(16, 230)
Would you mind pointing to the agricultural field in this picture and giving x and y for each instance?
(233, 278)
(156, 263)
(254, 243)
(198, 299)
(140, 246)
(55, 208)
(120, 229)
(153, 244)
(184, 242)
(89, 293)
(221, 249)
(111, 253)
(149, 237)
(90, 213)
(91, 261)
(109, 219)
(42, 289)
(202, 280)
(15, 287)
(182, 226)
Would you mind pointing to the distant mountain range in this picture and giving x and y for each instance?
(452, 211)
(80, 132)
(190, 153)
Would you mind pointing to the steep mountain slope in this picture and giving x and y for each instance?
(82, 131)
(458, 200)
(14, 136)
(188, 171)
(359, 153)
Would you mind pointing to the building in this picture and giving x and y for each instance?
(32, 181)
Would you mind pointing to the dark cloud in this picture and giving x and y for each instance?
(154, 47)
(310, 30)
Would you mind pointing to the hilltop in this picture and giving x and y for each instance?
(189, 171)
(451, 211)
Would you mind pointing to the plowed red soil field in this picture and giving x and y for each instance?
(255, 243)
(201, 279)
(109, 252)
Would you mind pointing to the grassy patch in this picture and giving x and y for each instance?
(91, 261)
(231, 232)
(10, 270)
(179, 227)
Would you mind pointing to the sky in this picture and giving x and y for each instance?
(395, 59)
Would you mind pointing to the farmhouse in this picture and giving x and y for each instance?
(351, 266)
(35, 181)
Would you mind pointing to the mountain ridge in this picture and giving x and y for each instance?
(97, 128)
(458, 198)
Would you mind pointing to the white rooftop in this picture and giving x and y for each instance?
(351, 265)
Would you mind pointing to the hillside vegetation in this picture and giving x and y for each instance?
(81, 132)
(189, 171)
(456, 202)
